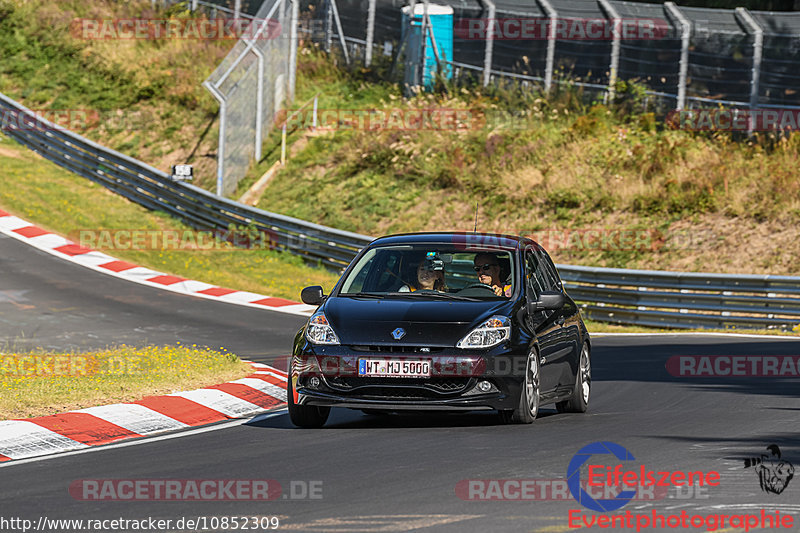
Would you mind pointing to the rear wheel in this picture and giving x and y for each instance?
(305, 416)
(579, 401)
(528, 407)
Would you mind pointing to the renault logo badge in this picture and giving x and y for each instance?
(398, 334)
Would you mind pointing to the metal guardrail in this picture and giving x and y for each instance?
(155, 189)
(643, 297)
(684, 299)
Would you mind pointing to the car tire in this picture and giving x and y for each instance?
(579, 401)
(305, 416)
(529, 400)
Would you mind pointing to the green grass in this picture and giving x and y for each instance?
(43, 383)
(65, 203)
(147, 94)
(539, 162)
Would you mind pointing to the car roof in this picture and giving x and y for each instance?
(468, 239)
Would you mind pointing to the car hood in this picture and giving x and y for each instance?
(359, 321)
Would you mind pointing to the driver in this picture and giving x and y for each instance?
(487, 266)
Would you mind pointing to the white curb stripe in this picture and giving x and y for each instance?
(11, 223)
(269, 389)
(125, 444)
(269, 373)
(50, 240)
(20, 439)
(47, 242)
(136, 418)
(93, 258)
(223, 402)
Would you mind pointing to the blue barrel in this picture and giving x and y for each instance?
(441, 18)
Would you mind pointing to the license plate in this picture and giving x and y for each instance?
(394, 368)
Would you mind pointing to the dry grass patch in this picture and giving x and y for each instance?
(45, 383)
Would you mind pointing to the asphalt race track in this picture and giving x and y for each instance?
(394, 473)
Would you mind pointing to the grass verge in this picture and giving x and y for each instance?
(57, 200)
(142, 97)
(44, 383)
(60, 201)
(564, 168)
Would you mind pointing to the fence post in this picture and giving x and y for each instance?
(423, 46)
(489, 49)
(293, 48)
(221, 149)
(434, 46)
(339, 30)
(754, 29)
(613, 67)
(370, 33)
(328, 26)
(237, 9)
(683, 65)
(552, 15)
(259, 100)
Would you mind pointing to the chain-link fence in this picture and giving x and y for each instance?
(253, 81)
(689, 57)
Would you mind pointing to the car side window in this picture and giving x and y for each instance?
(549, 272)
(533, 278)
(551, 267)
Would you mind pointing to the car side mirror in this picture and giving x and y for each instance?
(312, 295)
(549, 301)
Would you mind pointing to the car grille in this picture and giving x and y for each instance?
(400, 387)
(395, 349)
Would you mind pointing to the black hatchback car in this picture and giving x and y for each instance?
(442, 321)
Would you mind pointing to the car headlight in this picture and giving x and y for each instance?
(319, 331)
(491, 333)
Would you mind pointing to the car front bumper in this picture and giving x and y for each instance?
(452, 386)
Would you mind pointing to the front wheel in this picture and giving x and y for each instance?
(579, 401)
(305, 416)
(528, 407)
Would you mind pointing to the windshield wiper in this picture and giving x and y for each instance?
(363, 295)
(435, 294)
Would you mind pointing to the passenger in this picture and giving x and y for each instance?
(427, 279)
(488, 268)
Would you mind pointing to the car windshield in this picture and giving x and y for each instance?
(431, 271)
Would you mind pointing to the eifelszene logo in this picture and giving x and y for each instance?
(627, 479)
(774, 473)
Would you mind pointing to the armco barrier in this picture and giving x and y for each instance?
(684, 299)
(155, 189)
(644, 297)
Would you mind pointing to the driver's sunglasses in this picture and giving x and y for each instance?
(484, 268)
